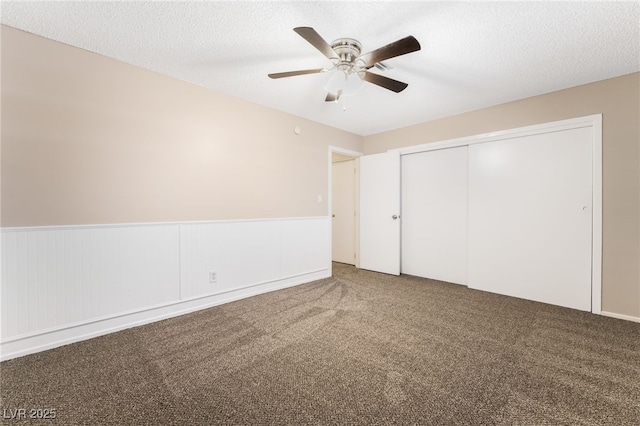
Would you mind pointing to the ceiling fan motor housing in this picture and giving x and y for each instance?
(348, 51)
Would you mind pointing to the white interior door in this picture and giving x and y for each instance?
(344, 207)
(434, 214)
(530, 201)
(380, 212)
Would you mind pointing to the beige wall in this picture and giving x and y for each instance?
(618, 99)
(90, 140)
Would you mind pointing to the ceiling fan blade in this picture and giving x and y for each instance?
(386, 82)
(333, 97)
(397, 48)
(294, 73)
(316, 41)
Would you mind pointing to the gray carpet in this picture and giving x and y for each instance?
(357, 348)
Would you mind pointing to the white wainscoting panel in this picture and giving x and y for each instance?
(65, 284)
(306, 246)
(55, 277)
(247, 253)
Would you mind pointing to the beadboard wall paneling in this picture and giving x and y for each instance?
(66, 284)
(53, 277)
(247, 253)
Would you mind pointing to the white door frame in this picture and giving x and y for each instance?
(355, 155)
(593, 121)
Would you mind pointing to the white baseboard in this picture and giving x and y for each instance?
(620, 316)
(49, 339)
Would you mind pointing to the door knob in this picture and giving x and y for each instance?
(394, 217)
(333, 215)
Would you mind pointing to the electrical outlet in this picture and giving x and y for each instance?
(213, 277)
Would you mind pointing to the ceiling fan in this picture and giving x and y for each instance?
(345, 55)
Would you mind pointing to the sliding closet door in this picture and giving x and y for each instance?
(530, 202)
(434, 214)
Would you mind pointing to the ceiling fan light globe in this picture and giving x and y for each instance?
(345, 83)
(337, 82)
(353, 84)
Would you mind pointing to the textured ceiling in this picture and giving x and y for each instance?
(473, 55)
